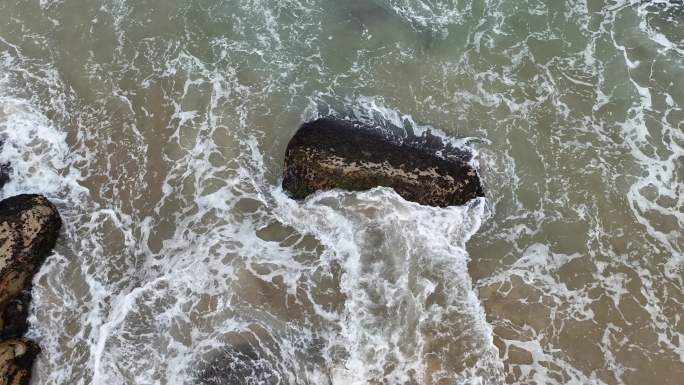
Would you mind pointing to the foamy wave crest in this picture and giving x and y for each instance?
(31, 143)
(35, 150)
(407, 288)
(394, 125)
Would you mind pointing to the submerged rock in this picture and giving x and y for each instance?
(331, 153)
(238, 366)
(29, 226)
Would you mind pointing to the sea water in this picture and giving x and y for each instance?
(158, 128)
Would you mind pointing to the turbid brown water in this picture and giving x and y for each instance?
(158, 127)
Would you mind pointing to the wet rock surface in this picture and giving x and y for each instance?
(333, 153)
(29, 226)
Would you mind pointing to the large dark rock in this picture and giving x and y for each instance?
(333, 153)
(29, 226)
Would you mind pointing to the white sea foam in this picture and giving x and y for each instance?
(394, 255)
(436, 16)
(393, 124)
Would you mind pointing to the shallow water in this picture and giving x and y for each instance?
(158, 127)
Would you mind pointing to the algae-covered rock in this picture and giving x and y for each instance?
(333, 153)
(29, 226)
